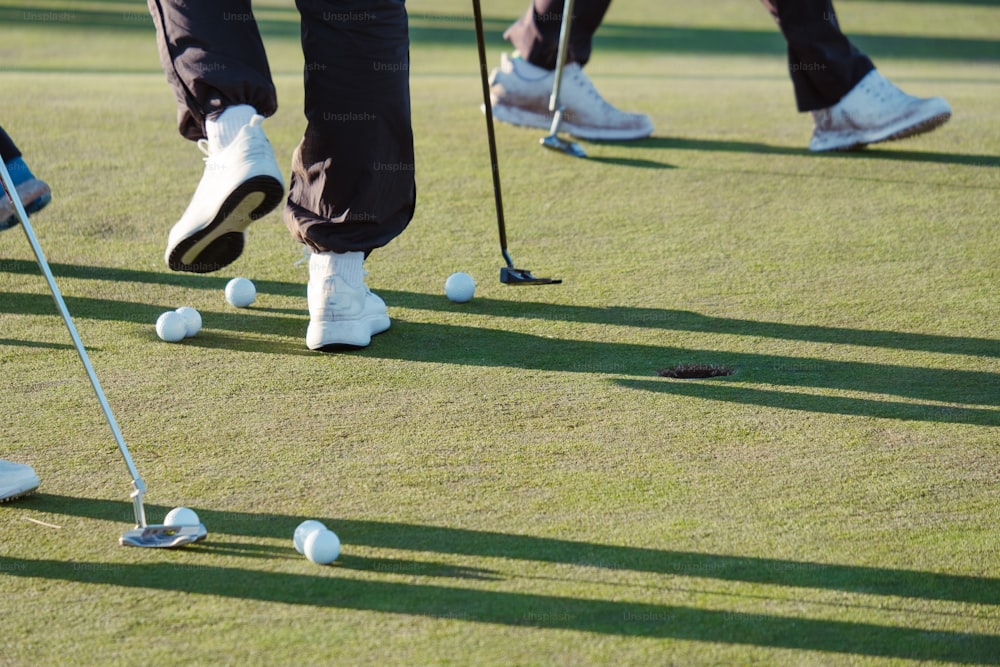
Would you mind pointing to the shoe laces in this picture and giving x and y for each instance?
(883, 89)
(256, 149)
(306, 252)
(210, 159)
(587, 86)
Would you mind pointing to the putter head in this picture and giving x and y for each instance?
(163, 537)
(568, 147)
(511, 276)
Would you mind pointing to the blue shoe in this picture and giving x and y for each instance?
(34, 195)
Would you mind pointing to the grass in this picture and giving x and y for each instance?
(512, 481)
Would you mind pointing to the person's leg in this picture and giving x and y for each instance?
(536, 34)
(215, 62)
(521, 86)
(352, 183)
(34, 193)
(8, 149)
(352, 186)
(823, 64)
(213, 57)
(851, 102)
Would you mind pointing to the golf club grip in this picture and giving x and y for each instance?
(477, 13)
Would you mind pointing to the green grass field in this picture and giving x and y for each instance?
(512, 481)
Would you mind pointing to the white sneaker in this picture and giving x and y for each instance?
(340, 314)
(875, 110)
(16, 479)
(520, 92)
(241, 183)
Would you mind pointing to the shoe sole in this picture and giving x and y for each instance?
(347, 335)
(38, 204)
(19, 494)
(221, 242)
(33, 207)
(921, 127)
(524, 118)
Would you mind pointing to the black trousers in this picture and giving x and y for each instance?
(823, 64)
(8, 150)
(536, 34)
(352, 181)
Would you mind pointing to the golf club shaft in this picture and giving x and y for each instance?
(554, 106)
(137, 484)
(488, 107)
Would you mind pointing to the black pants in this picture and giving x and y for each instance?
(8, 150)
(536, 34)
(352, 179)
(823, 63)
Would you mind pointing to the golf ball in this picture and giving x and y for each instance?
(181, 516)
(192, 320)
(240, 292)
(170, 326)
(322, 546)
(459, 287)
(302, 532)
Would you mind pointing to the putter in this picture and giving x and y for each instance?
(142, 535)
(508, 274)
(552, 140)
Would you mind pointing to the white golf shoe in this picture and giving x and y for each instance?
(341, 314)
(875, 110)
(520, 91)
(241, 183)
(16, 479)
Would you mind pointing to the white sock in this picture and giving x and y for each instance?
(223, 128)
(350, 266)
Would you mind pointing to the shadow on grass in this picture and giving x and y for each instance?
(336, 587)
(629, 162)
(486, 348)
(646, 318)
(679, 143)
(39, 344)
(838, 405)
(498, 348)
(976, 392)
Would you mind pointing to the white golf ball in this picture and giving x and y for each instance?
(192, 320)
(170, 326)
(181, 516)
(459, 287)
(240, 292)
(322, 546)
(302, 532)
